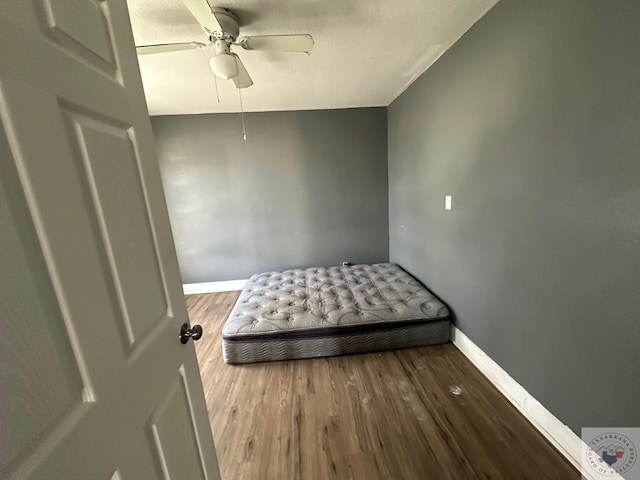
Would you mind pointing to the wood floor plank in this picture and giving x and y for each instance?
(414, 413)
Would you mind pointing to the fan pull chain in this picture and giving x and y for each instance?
(216, 83)
(244, 130)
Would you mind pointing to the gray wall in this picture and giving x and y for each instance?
(305, 189)
(532, 122)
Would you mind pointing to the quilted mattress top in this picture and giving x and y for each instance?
(322, 301)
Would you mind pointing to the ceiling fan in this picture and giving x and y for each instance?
(221, 26)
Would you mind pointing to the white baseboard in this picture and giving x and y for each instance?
(210, 287)
(557, 433)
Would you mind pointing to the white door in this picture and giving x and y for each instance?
(94, 383)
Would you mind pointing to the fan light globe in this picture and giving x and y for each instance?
(224, 66)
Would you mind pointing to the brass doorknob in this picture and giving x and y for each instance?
(186, 333)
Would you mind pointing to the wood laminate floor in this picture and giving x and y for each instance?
(417, 413)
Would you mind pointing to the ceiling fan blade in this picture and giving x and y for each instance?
(278, 43)
(168, 47)
(201, 10)
(242, 80)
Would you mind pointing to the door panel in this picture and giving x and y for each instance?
(67, 233)
(175, 461)
(49, 385)
(84, 22)
(90, 297)
(109, 164)
(82, 27)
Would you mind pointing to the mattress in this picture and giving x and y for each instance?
(332, 311)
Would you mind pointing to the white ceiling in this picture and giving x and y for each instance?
(366, 52)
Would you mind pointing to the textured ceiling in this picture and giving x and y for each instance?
(366, 52)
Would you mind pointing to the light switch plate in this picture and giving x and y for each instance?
(447, 202)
